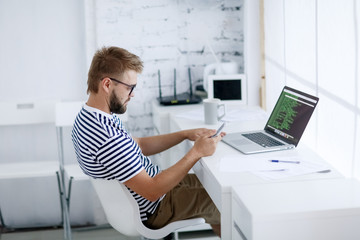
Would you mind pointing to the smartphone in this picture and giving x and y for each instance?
(219, 130)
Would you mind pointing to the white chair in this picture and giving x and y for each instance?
(122, 211)
(29, 194)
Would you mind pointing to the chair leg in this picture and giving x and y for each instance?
(68, 235)
(3, 226)
(64, 209)
(171, 236)
(60, 195)
(66, 217)
(69, 192)
(176, 236)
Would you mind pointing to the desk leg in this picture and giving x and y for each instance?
(221, 197)
(226, 225)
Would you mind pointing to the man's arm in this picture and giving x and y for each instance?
(153, 188)
(156, 144)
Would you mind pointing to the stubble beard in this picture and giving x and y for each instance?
(115, 105)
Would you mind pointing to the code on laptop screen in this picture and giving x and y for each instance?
(291, 114)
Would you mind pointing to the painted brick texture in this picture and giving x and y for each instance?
(169, 34)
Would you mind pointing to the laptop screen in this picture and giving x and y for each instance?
(291, 114)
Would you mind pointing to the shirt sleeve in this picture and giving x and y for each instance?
(120, 158)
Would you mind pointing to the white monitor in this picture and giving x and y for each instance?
(229, 88)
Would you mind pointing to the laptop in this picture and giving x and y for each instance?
(284, 127)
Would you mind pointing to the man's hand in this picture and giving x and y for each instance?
(205, 145)
(195, 134)
(153, 188)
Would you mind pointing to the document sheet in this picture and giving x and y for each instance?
(270, 168)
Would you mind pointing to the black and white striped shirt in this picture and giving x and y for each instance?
(105, 150)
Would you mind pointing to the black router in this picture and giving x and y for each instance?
(178, 99)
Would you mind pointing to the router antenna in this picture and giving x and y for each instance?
(160, 97)
(191, 91)
(174, 83)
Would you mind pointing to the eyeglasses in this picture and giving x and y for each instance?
(131, 87)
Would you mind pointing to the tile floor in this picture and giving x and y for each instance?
(58, 234)
(106, 233)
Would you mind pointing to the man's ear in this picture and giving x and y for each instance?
(105, 85)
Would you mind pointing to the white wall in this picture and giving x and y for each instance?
(314, 46)
(252, 50)
(167, 34)
(42, 57)
(42, 50)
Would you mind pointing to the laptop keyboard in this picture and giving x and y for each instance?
(262, 139)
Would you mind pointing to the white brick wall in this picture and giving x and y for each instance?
(167, 34)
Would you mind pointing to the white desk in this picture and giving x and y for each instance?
(219, 184)
(312, 210)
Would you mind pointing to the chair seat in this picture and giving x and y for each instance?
(29, 194)
(74, 170)
(28, 169)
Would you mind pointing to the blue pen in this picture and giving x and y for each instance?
(283, 161)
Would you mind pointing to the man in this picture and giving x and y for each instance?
(106, 150)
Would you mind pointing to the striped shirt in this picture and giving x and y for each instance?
(104, 149)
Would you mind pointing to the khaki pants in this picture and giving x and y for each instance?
(187, 200)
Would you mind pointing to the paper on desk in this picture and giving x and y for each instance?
(230, 116)
(305, 167)
(262, 167)
(247, 163)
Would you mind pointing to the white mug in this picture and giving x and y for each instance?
(211, 110)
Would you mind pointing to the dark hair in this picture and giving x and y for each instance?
(111, 62)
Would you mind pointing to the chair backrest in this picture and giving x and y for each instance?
(29, 112)
(121, 209)
(65, 113)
